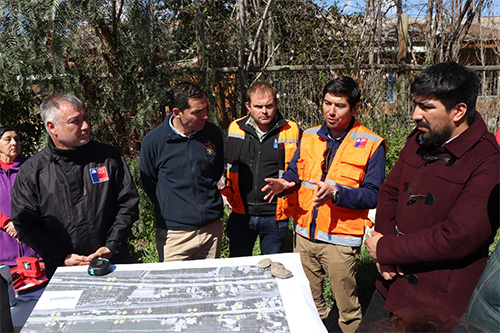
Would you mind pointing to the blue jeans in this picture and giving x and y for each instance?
(242, 231)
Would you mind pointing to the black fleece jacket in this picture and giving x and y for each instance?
(180, 175)
(61, 206)
(257, 160)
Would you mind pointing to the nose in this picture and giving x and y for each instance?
(331, 110)
(417, 114)
(85, 125)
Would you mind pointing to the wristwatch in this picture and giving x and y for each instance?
(335, 195)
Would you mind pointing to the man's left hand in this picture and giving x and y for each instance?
(102, 252)
(325, 192)
(371, 243)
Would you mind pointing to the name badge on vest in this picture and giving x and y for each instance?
(360, 142)
(99, 175)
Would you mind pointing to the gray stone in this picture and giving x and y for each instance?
(279, 271)
(264, 263)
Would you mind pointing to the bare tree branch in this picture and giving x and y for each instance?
(257, 35)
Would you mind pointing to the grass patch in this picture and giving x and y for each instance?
(143, 249)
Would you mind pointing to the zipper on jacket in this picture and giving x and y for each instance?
(194, 173)
(256, 163)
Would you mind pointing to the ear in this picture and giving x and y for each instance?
(52, 128)
(459, 112)
(248, 106)
(354, 110)
(176, 112)
(277, 101)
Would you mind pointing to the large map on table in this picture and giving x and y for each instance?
(236, 298)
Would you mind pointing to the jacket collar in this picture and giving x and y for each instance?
(324, 132)
(170, 135)
(452, 151)
(278, 123)
(20, 159)
(464, 142)
(74, 154)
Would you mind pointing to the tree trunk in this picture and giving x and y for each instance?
(429, 30)
(200, 35)
(242, 75)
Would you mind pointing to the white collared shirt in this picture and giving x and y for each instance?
(171, 123)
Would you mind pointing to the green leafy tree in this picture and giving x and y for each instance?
(115, 55)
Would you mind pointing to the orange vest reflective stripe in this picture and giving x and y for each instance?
(337, 225)
(289, 137)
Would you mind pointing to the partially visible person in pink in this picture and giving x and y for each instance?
(498, 136)
(10, 162)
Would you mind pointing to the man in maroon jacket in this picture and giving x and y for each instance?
(432, 225)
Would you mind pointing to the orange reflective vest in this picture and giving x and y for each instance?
(334, 224)
(288, 138)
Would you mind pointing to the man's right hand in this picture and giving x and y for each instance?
(275, 186)
(9, 228)
(389, 272)
(74, 259)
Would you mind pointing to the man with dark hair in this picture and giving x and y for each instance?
(337, 168)
(181, 162)
(259, 145)
(75, 200)
(432, 225)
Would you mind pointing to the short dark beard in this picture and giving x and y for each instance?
(435, 139)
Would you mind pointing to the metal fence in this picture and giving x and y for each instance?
(385, 92)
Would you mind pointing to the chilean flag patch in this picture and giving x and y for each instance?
(99, 175)
(360, 142)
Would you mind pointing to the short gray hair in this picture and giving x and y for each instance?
(50, 106)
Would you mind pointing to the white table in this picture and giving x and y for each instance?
(186, 296)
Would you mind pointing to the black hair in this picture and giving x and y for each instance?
(182, 92)
(6, 129)
(451, 84)
(346, 86)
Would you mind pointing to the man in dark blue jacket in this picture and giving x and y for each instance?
(181, 161)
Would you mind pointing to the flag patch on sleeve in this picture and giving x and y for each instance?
(360, 142)
(99, 175)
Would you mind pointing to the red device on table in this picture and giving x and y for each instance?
(28, 275)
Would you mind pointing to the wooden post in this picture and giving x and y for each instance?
(242, 74)
(402, 59)
(403, 38)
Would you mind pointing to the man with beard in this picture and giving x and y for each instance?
(432, 227)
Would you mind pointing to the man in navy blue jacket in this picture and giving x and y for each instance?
(181, 161)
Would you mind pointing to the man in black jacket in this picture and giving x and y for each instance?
(258, 146)
(75, 200)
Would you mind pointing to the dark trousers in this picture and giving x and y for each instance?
(5, 317)
(242, 231)
(376, 318)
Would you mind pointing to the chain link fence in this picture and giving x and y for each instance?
(385, 92)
